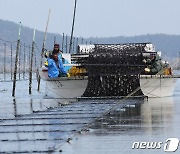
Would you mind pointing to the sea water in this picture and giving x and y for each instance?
(151, 121)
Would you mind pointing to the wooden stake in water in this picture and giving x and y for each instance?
(54, 39)
(11, 62)
(29, 59)
(63, 42)
(35, 60)
(72, 30)
(24, 61)
(20, 62)
(31, 65)
(74, 39)
(4, 61)
(66, 43)
(16, 61)
(43, 47)
(77, 44)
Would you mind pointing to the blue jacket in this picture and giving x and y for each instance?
(66, 68)
(53, 70)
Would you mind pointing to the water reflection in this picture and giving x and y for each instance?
(15, 107)
(152, 120)
(12, 107)
(147, 117)
(157, 114)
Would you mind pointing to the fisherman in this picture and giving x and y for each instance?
(55, 63)
(154, 64)
(55, 67)
(167, 68)
(56, 50)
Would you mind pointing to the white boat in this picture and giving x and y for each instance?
(74, 87)
(158, 85)
(67, 89)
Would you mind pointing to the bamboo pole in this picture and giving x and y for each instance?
(31, 65)
(11, 63)
(4, 61)
(43, 47)
(16, 61)
(77, 43)
(74, 39)
(54, 39)
(24, 61)
(35, 60)
(20, 62)
(63, 42)
(72, 30)
(29, 59)
(66, 43)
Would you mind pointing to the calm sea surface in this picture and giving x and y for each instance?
(154, 120)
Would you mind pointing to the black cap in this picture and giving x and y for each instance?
(56, 45)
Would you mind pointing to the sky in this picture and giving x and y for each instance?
(96, 18)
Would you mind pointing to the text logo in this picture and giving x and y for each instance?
(171, 144)
(147, 145)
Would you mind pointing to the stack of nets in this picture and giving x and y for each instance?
(113, 70)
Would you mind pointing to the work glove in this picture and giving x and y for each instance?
(46, 55)
(144, 61)
(46, 63)
(147, 70)
(68, 75)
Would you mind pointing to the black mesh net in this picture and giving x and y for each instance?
(113, 70)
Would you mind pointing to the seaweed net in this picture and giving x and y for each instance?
(113, 70)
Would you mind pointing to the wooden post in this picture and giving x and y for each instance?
(16, 61)
(42, 51)
(72, 30)
(66, 43)
(31, 65)
(24, 61)
(77, 43)
(35, 60)
(74, 39)
(4, 61)
(29, 56)
(20, 62)
(63, 42)
(54, 39)
(11, 63)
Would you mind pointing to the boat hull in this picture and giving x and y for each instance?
(67, 89)
(157, 85)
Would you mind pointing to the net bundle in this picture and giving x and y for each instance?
(113, 70)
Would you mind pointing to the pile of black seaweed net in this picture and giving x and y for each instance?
(114, 69)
